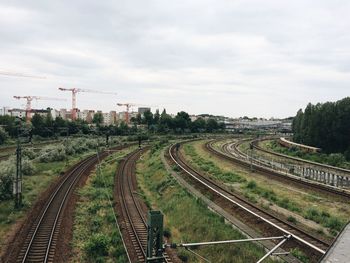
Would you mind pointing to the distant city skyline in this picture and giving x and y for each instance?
(232, 58)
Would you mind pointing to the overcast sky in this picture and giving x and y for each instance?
(233, 58)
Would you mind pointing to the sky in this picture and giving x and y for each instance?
(234, 58)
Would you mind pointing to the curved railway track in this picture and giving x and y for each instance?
(234, 155)
(40, 243)
(264, 220)
(131, 216)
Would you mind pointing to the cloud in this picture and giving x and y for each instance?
(224, 57)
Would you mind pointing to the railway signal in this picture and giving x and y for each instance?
(154, 237)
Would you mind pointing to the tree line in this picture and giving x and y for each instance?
(46, 126)
(324, 125)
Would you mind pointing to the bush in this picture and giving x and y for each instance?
(7, 171)
(251, 184)
(292, 219)
(52, 154)
(27, 167)
(3, 135)
(6, 183)
(29, 153)
(97, 246)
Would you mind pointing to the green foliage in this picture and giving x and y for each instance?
(28, 167)
(325, 219)
(97, 246)
(210, 167)
(292, 219)
(335, 159)
(52, 154)
(325, 125)
(251, 184)
(299, 255)
(3, 136)
(98, 118)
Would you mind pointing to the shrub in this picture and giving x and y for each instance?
(299, 255)
(7, 171)
(27, 167)
(97, 246)
(3, 135)
(292, 219)
(29, 153)
(251, 184)
(6, 183)
(52, 154)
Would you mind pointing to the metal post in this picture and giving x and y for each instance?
(251, 157)
(154, 251)
(17, 187)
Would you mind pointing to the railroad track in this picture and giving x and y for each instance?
(40, 243)
(264, 220)
(255, 144)
(132, 218)
(234, 155)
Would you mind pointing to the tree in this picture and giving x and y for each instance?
(98, 118)
(182, 121)
(324, 125)
(148, 117)
(38, 124)
(156, 117)
(3, 135)
(198, 125)
(212, 125)
(165, 122)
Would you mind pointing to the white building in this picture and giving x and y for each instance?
(5, 111)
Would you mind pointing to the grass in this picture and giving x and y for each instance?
(188, 219)
(255, 191)
(95, 235)
(210, 167)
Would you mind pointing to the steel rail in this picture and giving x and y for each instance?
(241, 158)
(243, 207)
(124, 199)
(127, 169)
(52, 198)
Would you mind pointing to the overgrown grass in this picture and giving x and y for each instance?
(187, 219)
(95, 235)
(210, 167)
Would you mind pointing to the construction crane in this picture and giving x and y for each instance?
(22, 75)
(29, 103)
(74, 98)
(128, 106)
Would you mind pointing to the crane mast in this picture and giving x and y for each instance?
(29, 103)
(74, 91)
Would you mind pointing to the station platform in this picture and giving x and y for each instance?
(340, 250)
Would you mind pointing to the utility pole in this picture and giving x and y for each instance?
(251, 156)
(17, 186)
